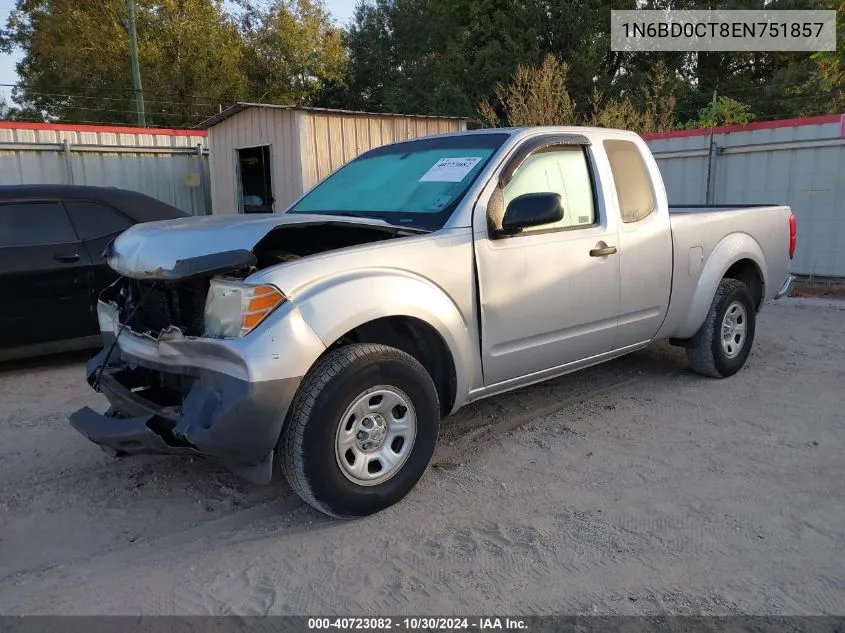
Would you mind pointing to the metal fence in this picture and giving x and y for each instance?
(799, 162)
(171, 165)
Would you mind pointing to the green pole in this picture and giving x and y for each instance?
(136, 69)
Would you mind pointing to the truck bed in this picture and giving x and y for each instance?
(698, 230)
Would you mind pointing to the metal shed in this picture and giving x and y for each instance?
(799, 162)
(265, 156)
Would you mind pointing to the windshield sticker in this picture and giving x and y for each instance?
(441, 202)
(450, 169)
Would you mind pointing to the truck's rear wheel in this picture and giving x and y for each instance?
(722, 344)
(362, 430)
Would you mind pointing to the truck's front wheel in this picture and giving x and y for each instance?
(722, 344)
(362, 430)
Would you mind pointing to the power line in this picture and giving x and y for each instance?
(115, 89)
(195, 115)
(86, 122)
(121, 99)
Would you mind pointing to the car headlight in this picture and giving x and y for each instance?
(233, 309)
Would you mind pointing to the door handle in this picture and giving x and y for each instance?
(66, 258)
(601, 252)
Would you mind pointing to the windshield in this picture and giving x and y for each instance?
(417, 183)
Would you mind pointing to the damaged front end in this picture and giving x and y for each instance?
(185, 366)
(186, 410)
(173, 391)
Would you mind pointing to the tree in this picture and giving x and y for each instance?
(438, 56)
(539, 96)
(447, 56)
(724, 111)
(536, 96)
(371, 69)
(293, 52)
(824, 87)
(75, 65)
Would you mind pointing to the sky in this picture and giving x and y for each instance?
(341, 10)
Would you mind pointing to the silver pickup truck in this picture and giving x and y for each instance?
(417, 278)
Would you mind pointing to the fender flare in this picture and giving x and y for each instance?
(730, 250)
(335, 305)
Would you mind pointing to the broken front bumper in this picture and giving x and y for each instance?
(226, 400)
(228, 419)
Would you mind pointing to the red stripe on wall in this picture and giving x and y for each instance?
(760, 125)
(113, 129)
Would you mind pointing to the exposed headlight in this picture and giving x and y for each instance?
(234, 309)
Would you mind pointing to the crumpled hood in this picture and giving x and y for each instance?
(174, 249)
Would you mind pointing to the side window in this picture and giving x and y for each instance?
(562, 170)
(93, 219)
(34, 223)
(633, 184)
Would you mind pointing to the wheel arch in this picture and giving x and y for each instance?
(418, 339)
(737, 256)
(401, 310)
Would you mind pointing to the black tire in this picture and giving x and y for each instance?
(307, 445)
(705, 353)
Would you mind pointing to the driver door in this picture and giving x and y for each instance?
(548, 298)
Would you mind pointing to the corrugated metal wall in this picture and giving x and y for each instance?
(306, 145)
(253, 127)
(799, 165)
(167, 166)
(331, 139)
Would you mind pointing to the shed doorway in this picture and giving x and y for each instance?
(254, 178)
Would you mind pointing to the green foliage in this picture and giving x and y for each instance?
(292, 52)
(449, 56)
(538, 95)
(724, 111)
(437, 56)
(194, 57)
(827, 78)
(498, 60)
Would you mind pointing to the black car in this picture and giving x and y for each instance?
(51, 266)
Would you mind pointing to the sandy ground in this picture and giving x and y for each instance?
(636, 487)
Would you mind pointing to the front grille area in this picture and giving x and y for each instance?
(181, 305)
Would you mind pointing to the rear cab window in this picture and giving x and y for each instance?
(34, 224)
(631, 179)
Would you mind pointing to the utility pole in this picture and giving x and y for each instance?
(136, 69)
(711, 151)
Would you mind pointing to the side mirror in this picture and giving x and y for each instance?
(532, 209)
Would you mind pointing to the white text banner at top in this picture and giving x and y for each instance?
(740, 30)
